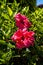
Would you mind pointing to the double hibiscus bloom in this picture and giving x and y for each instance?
(22, 36)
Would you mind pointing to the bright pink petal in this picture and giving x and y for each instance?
(17, 35)
(28, 42)
(20, 44)
(28, 34)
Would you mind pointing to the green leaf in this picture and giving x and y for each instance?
(11, 46)
(7, 56)
(2, 42)
(5, 16)
(2, 61)
(10, 12)
(34, 63)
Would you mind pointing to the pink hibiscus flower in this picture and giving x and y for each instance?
(23, 38)
(22, 21)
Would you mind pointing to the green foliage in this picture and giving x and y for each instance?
(37, 24)
(8, 27)
(29, 3)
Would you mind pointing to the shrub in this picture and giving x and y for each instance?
(8, 27)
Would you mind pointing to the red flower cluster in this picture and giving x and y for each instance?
(22, 21)
(22, 37)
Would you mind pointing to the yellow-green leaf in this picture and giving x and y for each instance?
(10, 12)
(5, 16)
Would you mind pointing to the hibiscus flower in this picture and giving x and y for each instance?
(22, 21)
(23, 38)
